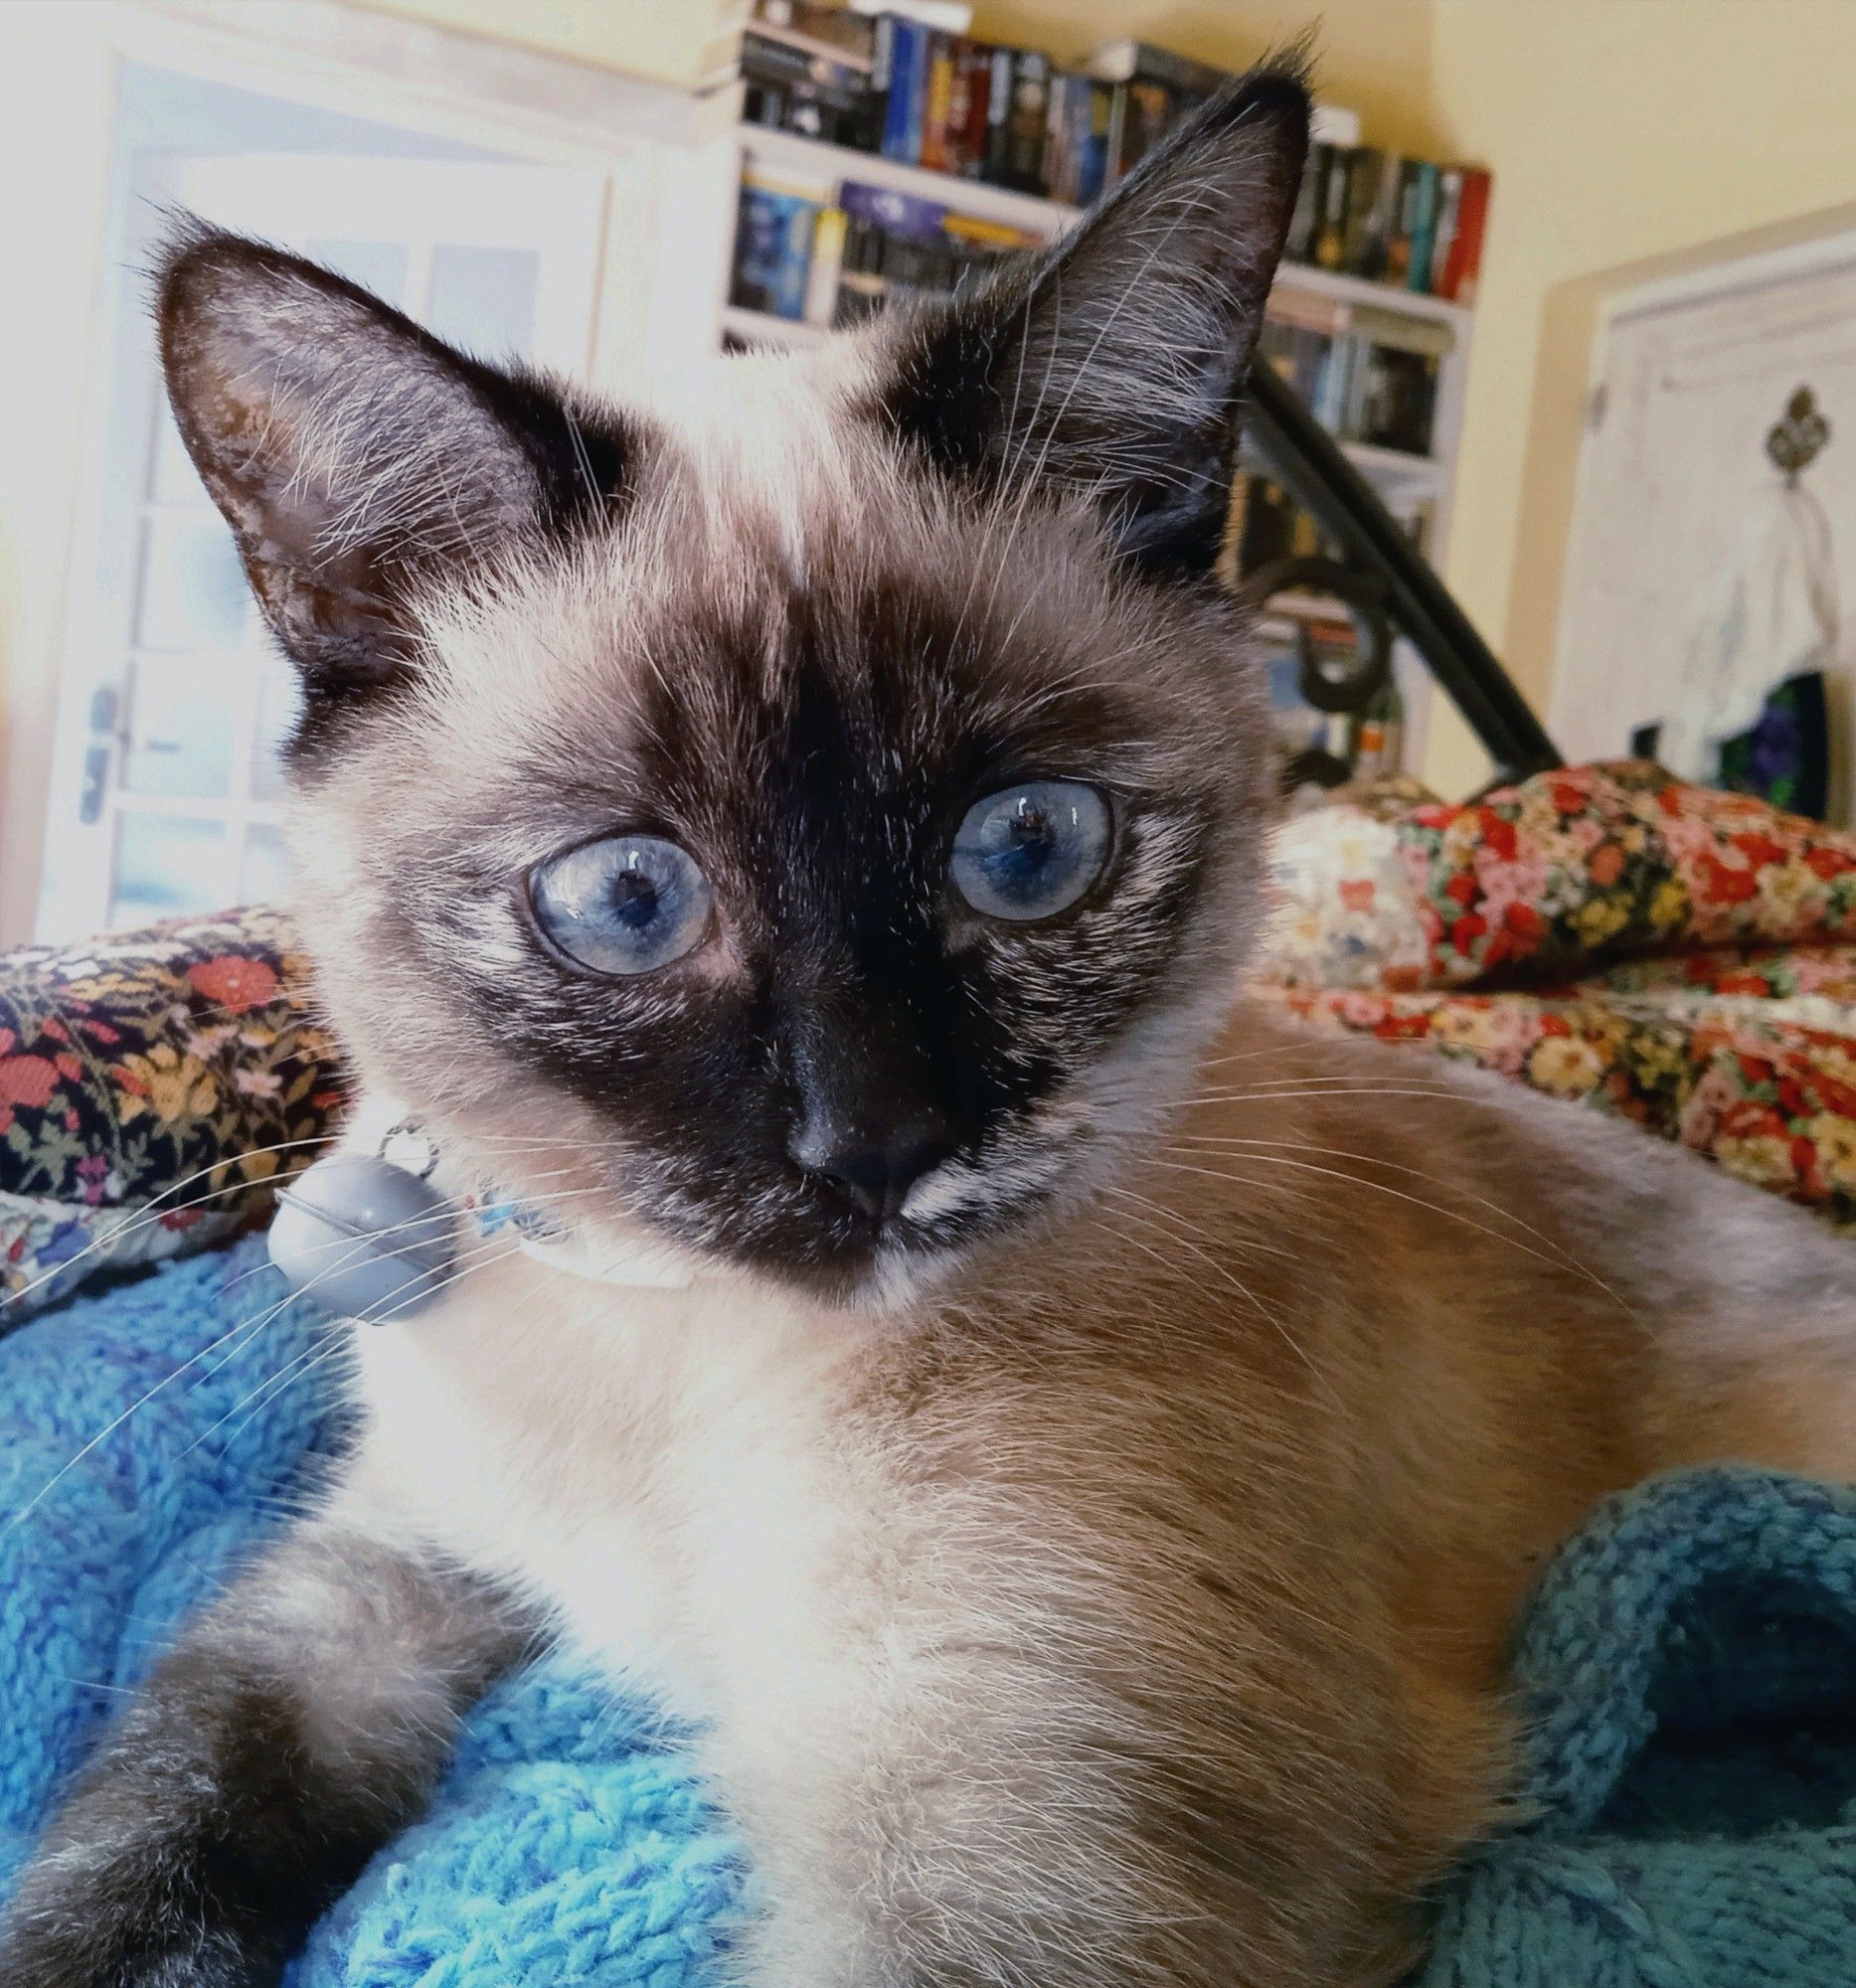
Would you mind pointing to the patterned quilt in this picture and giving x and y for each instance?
(1669, 954)
(1681, 957)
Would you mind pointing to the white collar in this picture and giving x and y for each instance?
(382, 1128)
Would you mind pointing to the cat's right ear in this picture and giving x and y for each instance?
(1112, 367)
(358, 459)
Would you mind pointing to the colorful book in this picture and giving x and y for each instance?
(977, 61)
(827, 264)
(1450, 202)
(960, 92)
(1330, 235)
(882, 70)
(1420, 221)
(936, 100)
(1464, 265)
(891, 210)
(772, 246)
(904, 38)
(1093, 147)
(1027, 109)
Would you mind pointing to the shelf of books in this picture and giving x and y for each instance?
(886, 153)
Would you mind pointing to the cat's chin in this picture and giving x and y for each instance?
(886, 1279)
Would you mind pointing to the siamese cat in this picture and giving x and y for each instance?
(1080, 1478)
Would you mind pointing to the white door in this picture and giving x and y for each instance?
(1676, 493)
(174, 704)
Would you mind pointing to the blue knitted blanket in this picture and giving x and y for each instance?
(1690, 1663)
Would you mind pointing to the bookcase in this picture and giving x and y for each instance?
(1417, 485)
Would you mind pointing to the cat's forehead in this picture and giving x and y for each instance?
(778, 553)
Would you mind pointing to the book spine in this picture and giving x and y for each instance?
(1080, 101)
(936, 92)
(876, 105)
(1116, 134)
(773, 250)
(1056, 172)
(1093, 162)
(1364, 165)
(821, 286)
(1299, 245)
(978, 65)
(918, 60)
(999, 116)
(1465, 263)
(1381, 225)
(1449, 197)
(954, 126)
(1030, 94)
(1424, 226)
(1330, 242)
(903, 36)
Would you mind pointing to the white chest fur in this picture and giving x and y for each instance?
(868, 1629)
(663, 1470)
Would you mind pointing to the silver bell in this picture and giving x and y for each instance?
(363, 1238)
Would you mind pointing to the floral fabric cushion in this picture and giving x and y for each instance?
(1552, 877)
(1690, 956)
(153, 1087)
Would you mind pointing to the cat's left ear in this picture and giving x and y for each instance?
(1113, 365)
(359, 460)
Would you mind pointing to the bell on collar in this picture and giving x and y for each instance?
(364, 1238)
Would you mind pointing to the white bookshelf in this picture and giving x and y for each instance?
(809, 163)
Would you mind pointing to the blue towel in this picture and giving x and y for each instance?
(1689, 1664)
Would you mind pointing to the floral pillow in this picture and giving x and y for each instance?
(1551, 877)
(153, 1087)
(1678, 957)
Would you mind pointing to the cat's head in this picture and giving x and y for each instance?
(818, 806)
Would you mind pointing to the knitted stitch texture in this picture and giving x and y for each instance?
(1689, 1661)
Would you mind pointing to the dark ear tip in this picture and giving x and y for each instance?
(192, 265)
(1277, 91)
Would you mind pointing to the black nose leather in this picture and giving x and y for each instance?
(873, 1170)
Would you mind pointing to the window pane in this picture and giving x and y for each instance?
(180, 729)
(265, 876)
(379, 267)
(166, 865)
(279, 699)
(193, 587)
(484, 298)
(174, 479)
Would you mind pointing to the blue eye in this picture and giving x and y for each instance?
(626, 905)
(1030, 852)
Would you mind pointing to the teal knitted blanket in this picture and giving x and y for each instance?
(1689, 1663)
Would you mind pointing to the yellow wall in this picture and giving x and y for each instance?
(1629, 137)
(668, 41)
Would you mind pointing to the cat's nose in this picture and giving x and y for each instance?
(872, 1167)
